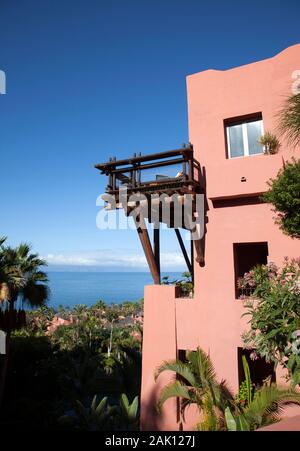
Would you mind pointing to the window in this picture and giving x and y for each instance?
(260, 370)
(246, 256)
(242, 136)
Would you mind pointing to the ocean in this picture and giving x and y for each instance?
(71, 288)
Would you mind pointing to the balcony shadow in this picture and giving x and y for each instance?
(203, 182)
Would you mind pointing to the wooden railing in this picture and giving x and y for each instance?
(130, 172)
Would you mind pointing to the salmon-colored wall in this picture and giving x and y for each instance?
(212, 319)
(217, 95)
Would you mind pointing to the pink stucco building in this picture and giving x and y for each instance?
(227, 112)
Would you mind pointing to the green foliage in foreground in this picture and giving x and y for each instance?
(284, 195)
(274, 311)
(261, 408)
(52, 372)
(101, 416)
(196, 383)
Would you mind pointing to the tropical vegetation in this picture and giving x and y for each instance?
(284, 195)
(289, 120)
(71, 368)
(100, 416)
(195, 383)
(284, 189)
(61, 360)
(274, 310)
(21, 277)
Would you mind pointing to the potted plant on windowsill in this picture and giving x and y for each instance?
(270, 142)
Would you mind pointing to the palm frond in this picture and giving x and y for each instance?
(35, 294)
(2, 240)
(21, 271)
(23, 250)
(268, 404)
(173, 390)
(202, 366)
(289, 120)
(37, 276)
(180, 368)
(226, 396)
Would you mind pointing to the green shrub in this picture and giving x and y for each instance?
(274, 310)
(284, 194)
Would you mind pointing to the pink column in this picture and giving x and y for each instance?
(159, 344)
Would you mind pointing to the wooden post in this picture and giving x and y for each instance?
(191, 168)
(139, 170)
(114, 185)
(183, 249)
(109, 185)
(133, 173)
(192, 260)
(184, 167)
(146, 244)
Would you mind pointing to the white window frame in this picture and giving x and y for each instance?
(245, 138)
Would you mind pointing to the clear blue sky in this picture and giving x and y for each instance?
(87, 79)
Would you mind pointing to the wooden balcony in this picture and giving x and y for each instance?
(143, 179)
(174, 171)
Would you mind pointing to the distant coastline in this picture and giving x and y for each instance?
(102, 269)
(69, 288)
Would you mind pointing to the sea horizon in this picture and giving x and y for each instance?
(70, 288)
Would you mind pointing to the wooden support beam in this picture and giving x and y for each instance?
(146, 244)
(183, 249)
(199, 251)
(192, 261)
(198, 242)
(156, 246)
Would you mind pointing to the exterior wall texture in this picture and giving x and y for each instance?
(212, 319)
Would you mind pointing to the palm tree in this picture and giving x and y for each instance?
(196, 384)
(262, 407)
(8, 273)
(289, 120)
(21, 276)
(265, 409)
(3, 275)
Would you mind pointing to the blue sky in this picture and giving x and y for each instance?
(88, 79)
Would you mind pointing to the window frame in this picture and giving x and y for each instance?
(243, 123)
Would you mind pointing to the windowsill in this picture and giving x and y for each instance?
(246, 156)
(253, 155)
